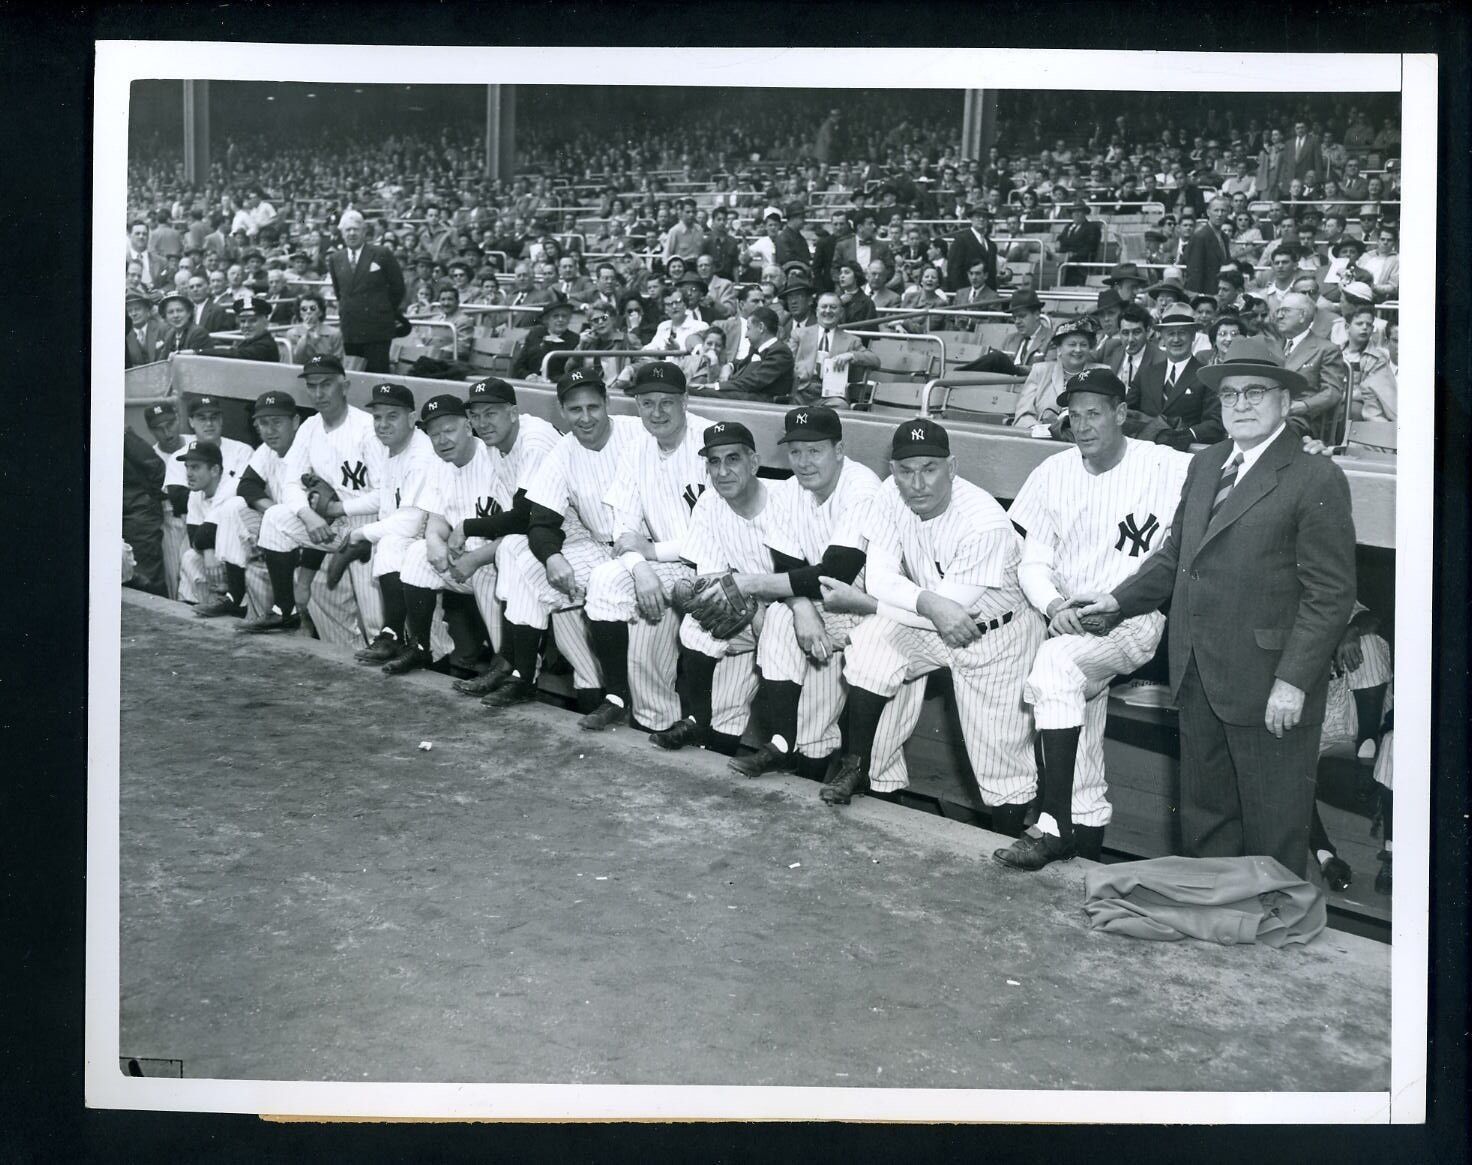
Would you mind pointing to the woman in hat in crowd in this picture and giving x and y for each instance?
(1037, 402)
(551, 334)
(1223, 330)
(311, 334)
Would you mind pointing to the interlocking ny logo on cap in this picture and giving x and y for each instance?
(801, 419)
(719, 427)
(432, 405)
(917, 434)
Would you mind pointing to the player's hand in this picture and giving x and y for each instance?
(955, 625)
(649, 594)
(630, 542)
(356, 535)
(1285, 708)
(1097, 613)
(1349, 655)
(319, 530)
(1066, 621)
(438, 556)
(562, 576)
(845, 598)
(456, 540)
(462, 566)
(812, 636)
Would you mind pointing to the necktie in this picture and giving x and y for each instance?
(1225, 485)
(823, 343)
(1170, 378)
(1129, 368)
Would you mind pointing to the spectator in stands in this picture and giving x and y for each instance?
(738, 337)
(978, 294)
(1037, 402)
(926, 292)
(550, 334)
(253, 317)
(312, 335)
(797, 304)
(721, 292)
(1316, 359)
(685, 238)
(855, 304)
(1127, 353)
(283, 304)
(601, 334)
(1383, 264)
(790, 244)
(721, 246)
(148, 273)
(441, 343)
(147, 335)
(972, 246)
(1374, 391)
(1344, 268)
(693, 290)
(824, 345)
(1168, 402)
(573, 284)
(183, 334)
(164, 243)
(767, 373)
(203, 313)
(1247, 240)
(1224, 329)
(1238, 181)
(1079, 242)
(634, 320)
(1208, 249)
(761, 252)
(681, 329)
(369, 287)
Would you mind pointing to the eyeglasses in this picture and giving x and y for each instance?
(1253, 394)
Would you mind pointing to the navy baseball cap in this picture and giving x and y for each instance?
(727, 433)
(811, 423)
(157, 412)
(921, 437)
(274, 404)
(580, 378)
(1095, 380)
(321, 366)
(491, 391)
(443, 405)
(391, 394)
(204, 404)
(658, 376)
(202, 451)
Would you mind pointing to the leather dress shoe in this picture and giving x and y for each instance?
(512, 691)
(606, 715)
(1337, 874)
(766, 759)
(272, 620)
(384, 647)
(410, 658)
(489, 680)
(1034, 850)
(848, 779)
(219, 605)
(678, 735)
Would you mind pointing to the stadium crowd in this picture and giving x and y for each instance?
(735, 260)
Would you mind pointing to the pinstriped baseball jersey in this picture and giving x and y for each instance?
(535, 438)
(202, 509)
(658, 491)
(803, 527)
(270, 467)
(405, 479)
(572, 478)
(350, 457)
(173, 467)
(1101, 526)
(971, 542)
(720, 539)
(473, 490)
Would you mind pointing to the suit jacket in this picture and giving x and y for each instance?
(215, 318)
(1027, 350)
(983, 299)
(766, 376)
(964, 252)
(580, 291)
(1111, 352)
(723, 292)
(1298, 162)
(807, 382)
(847, 250)
(1321, 363)
(1206, 254)
(536, 347)
(187, 339)
(369, 295)
(791, 246)
(1188, 405)
(1263, 592)
(153, 348)
(1081, 241)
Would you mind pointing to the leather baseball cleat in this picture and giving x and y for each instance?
(1034, 850)
(512, 692)
(1337, 874)
(766, 759)
(606, 715)
(218, 606)
(489, 680)
(273, 620)
(344, 558)
(847, 780)
(678, 735)
(384, 647)
(409, 658)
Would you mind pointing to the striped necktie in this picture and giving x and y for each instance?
(1225, 485)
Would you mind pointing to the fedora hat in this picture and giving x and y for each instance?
(1252, 356)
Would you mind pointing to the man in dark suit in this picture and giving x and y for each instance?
(203, 311)
(1206, 250)
(1259, 572)
(1168, 403)
(791, 246)
(551, 334)
(1300, 155)
(864, 247)
(1130, 352)
(971, 246)
(147, 335)
(369, 286)
(1079, 242)
(767, 373)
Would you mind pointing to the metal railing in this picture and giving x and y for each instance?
(923, 337)
(567, 353)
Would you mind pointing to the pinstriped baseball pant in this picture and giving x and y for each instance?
(735, 683)
(654, 655)
(780, 658)
(532, 601)
(415, 571)
(987, 676)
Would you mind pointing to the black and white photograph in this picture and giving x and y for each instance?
(865, 585)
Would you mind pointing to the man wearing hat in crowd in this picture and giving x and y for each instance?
(303, 275)
(1026, 344)
(791, 246)
(163, 425)
(692, 289)
(728, 531)
(335, 461)
(1345, 267)
(1166, 291)
(543, 577)
(1125, 280)
(253, 317)
(147, 336)
(797, 302)
(1258, 609)
(941, 561)
(1207, 249)
(369, 286)
(973, 246)
(1080, 241)
(1037, 400)
(1167, 403)
(261, 485)
(768, 370)
(1106, 316)
(824, 354)
(1085, 532)
(551, 334)
(634, 632)
(184, 336)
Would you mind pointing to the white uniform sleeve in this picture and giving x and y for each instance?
(297, 462)
(884, 576)
(375, 457)
(623, 496)
(983, 557)
(700, 545)
(548, 484)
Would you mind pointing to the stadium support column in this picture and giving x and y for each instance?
(500, 132)
(196, 132)
(979, 123)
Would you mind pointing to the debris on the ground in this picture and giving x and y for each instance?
(425, 745)
(795, 865)
(1013, 983)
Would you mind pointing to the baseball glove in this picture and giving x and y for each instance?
(715, 602)
(320, 494)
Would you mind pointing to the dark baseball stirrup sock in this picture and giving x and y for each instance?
(1387, 815)
(419, 614)
(864, 709)
(587, 699)
(778, 700)
(523, 645)
(281, 566)
(1008, 819)
(463, 621)
(1060, 752)
(1369, 707)
(1089, 840)
(235, 583)
(699, 672)
(395, 609)
(722, 742)
(611, 646)
(1318, 836)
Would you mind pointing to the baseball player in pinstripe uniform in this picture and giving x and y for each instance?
(543, 577)
(339, 447)
(204, 472)
(635, 634)
(1089, 517)
(516, 445)
(941, 577)
(728, 532)
(238, 520)
(163, 424)
(206, 419)
(812, 534)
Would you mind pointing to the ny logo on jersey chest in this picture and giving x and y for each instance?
(692, 494)
(1136, 534)
(354, 476)
(487, 507)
